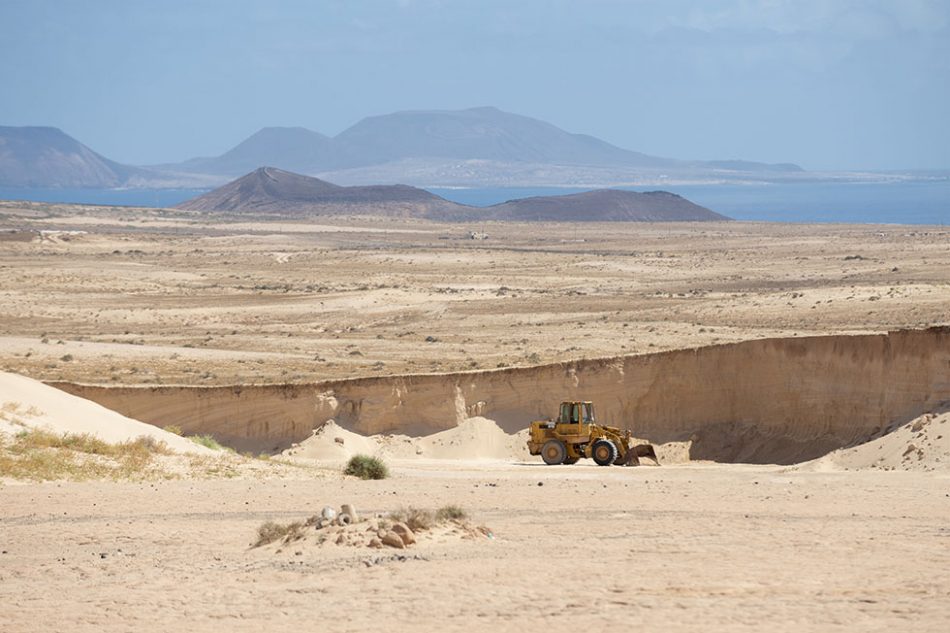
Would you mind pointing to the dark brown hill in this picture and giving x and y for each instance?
(274, 191)
(271, 191)
(604, 205)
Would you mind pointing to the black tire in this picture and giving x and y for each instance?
(553, 452)
(604, 452)
(570, 460)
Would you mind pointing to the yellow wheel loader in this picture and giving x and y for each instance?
(576, 434)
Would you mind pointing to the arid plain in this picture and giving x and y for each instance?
(854, 540)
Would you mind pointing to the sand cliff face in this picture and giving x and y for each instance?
(764, 401)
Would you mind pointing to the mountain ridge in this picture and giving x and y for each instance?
(481, 146)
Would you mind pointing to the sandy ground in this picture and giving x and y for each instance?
(161, 297)
(715, 548)
(854, 541)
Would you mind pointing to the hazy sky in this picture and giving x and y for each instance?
(829, 84)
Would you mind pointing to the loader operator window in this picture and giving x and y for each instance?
(588, 413)
(576, 413)
(568, 415)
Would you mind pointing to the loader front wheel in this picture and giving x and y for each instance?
(604, 452)
(553, 452)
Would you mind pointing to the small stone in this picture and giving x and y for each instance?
(375, 543)
(328, 513)
(338, 440)
(540, 483)
(403, 531)
(393, 540)
(341, 539)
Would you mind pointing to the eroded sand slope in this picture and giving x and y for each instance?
(767, 401)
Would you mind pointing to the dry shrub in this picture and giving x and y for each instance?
(450, 512)
(270, 531)
(416, 518)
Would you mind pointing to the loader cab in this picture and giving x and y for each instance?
(576, 413)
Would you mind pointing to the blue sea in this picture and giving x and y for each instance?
(913, 202)
(916, 202)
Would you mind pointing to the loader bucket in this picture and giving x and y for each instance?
(638, 451)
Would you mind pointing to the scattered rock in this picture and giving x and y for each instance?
(402, 530)
(375, 543)
(392, 539)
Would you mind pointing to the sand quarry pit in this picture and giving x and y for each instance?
(794, 379)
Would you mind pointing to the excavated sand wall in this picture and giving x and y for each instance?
(772, 400)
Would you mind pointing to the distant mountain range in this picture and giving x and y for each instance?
(272, 191)
(474, 147)
(46, 157)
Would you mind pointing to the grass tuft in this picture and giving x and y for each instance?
(366, 467)
(174, 429)
(41, 455)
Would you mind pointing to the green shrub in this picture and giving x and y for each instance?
(366, 467)
(207, 441)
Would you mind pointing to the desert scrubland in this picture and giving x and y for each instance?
(795, 379)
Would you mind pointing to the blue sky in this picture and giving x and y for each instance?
(829, 84)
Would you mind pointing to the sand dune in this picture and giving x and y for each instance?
(27, 403)
(921, 444)
(474, 438)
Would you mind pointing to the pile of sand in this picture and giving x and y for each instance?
(473, 438)
(923, 444)
(29, 404)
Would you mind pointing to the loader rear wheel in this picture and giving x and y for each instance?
(553, 452)
(604, 452)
